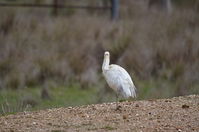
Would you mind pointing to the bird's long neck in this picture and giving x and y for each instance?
(105, 65)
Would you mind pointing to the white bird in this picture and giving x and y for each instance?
(118, 78)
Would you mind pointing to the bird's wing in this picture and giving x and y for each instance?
(131, 87)
(125, 79)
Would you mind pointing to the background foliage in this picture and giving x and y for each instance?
(48, 61)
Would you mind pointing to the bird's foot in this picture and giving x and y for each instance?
(118, 108)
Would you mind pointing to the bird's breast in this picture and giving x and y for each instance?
(112, 79)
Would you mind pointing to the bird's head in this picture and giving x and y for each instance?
(105, 65)
(106, 54)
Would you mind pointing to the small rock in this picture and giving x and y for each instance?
(119, 107)
(185, 106)
(94, 108)
(136, 105)
(5, 122)
(124, 116)
(179, 130)
(85, 115)
(11, 130)
(28, 125)
(167, 100)
(50, 123)
(34, 123)
(70, 107)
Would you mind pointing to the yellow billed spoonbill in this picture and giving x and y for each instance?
(118, 78)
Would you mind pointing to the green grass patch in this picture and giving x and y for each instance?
(13, 101)
(155, 88)
(108, 128)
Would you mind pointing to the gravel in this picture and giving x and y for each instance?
(178, 114)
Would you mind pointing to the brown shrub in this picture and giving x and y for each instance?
(150, 45)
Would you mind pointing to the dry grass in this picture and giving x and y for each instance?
(38, 48)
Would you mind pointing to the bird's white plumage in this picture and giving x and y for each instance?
(118, 78)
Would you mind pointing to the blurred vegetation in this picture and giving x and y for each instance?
(48, 61)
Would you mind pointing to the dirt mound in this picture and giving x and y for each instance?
(175, 114)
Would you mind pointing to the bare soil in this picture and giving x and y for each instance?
(178, 114)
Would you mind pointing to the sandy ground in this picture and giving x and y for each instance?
(179, 114)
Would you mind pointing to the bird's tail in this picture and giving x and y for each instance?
(133, 90)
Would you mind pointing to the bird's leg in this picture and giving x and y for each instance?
(118, 107)
(116, 101)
